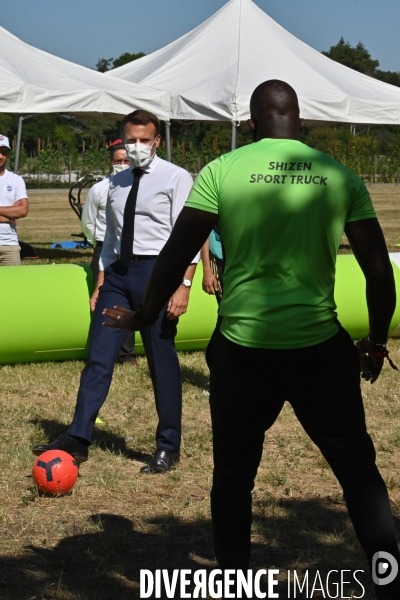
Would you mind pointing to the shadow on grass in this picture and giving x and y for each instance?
(194, 377)
(105, 564)
(105, 440)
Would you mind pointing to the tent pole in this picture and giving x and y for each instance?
(18, 147)
(20, 121)
(168, 139)
(234, 136)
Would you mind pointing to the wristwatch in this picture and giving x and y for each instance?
(187, 283)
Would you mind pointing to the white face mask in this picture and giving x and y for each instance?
(139, 154)
(119, 168)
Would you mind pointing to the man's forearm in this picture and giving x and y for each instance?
(205, 258)
(15, 211)
(189, 234)
(381, 301)
(100, 280)
(190, 271)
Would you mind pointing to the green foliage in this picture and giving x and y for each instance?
(64, 133)
(103, 65)
(8, 124)
(46, 184)
(51, 161)
(106, 64)
(126, 58)
(23, 159)
(358, 153)
(98, 129)
(38, 127)
(93, 161)
(357, 58)
(392, 77)
(322, 138)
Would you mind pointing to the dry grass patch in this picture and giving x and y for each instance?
(91, 544)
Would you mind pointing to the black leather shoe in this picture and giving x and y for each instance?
(162, 461)
(67, 443)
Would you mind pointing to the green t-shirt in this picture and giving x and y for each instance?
(282, 208)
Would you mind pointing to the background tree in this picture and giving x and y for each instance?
(106, 64)
(126, 58)
(357, 58)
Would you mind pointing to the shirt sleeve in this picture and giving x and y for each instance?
(89, 214)
(20, 189)
(108, 256)
(181, 191)
(204, 193)
(361, 204)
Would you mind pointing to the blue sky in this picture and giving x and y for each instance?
(85, 30)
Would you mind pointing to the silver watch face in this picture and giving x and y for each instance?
(187, 283)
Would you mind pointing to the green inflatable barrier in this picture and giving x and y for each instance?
(46, 312)
(350, 297)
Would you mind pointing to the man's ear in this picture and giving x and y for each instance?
(302, 124)
(251, 124)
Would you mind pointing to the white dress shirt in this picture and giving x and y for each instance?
(93, 219)
(163, 190)
(12, 188)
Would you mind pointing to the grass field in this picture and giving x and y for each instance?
(92, 543)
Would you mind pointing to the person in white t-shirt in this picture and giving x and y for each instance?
(13, 205)
(93, 223)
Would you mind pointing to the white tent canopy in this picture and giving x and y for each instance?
(33, 81)
(212, 71)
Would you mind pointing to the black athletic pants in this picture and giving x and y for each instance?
(248, 388)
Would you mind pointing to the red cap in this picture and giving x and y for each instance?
(115, 143)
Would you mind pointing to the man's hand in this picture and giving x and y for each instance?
(4, 220)
(93, 299)
(210, 283)
(100, 280)
(177, 305)
(124, 318)
(370, 364)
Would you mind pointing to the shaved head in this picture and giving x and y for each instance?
(274, 110)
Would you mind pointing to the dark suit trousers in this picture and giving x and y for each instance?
(127, 352)
(125, 286)
(248, 387)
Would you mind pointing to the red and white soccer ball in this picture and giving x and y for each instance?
(55, 472)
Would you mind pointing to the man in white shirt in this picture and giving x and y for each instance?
(93, 223)
(13, 205)
(142, 208)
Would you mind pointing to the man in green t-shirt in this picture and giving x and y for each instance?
(282, 208)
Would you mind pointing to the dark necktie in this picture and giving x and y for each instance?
(129, 219)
